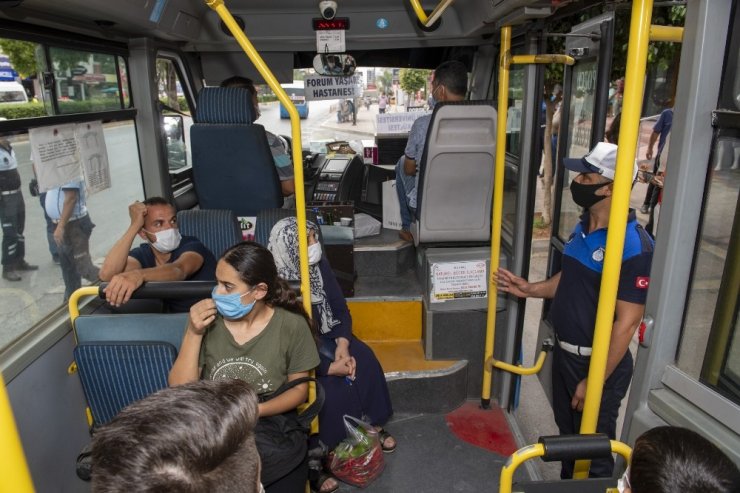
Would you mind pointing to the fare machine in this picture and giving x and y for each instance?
(338, 178)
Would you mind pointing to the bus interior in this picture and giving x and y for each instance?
(465, 397)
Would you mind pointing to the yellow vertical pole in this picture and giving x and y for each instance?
(295, 125)
(14, 475)
(628, 134)
(497, 209)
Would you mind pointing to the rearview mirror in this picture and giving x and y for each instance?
(334, 65)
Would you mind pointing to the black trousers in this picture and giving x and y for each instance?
(74, 255)
(651, 196)
(13, 217)
(567, 371)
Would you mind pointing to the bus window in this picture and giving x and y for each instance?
(514, 114)
(176, 123)
(583, 88)
(710, 345)
(85, 81)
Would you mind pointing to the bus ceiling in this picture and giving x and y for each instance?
(374, 24)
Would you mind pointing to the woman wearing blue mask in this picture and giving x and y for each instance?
(350, 374)
(252, 328)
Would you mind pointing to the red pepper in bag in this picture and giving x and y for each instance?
(358, 459)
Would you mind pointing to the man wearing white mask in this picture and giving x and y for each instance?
(165, 255)
(67, 209)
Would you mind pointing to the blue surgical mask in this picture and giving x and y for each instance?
(230, 305)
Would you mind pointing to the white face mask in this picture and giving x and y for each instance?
(167, 240)
(262, 488)
(314, 253)
(624, 482)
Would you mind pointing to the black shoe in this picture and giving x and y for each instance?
(23, 265)
(11, 275)
(55, 258)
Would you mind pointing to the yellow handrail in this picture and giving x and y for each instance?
(497, 209)
(13, 467)
(670, 34)
(295, 127)
(632, 101)
(436, 13)
(546, 58)
(538, 450)
(519, 369)
(505, 61)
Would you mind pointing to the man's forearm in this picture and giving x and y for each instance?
(618, 346)
(115, 261)
(545, 289)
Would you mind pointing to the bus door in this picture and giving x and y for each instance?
(583, 122)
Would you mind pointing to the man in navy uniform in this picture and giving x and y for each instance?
(12, 215)
(575, 294)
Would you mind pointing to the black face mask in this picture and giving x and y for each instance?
(585, 195)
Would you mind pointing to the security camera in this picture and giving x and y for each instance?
(328, 9)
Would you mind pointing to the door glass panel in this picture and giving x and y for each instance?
(709, 349)
(583, 89)
(514, 115)
(85, 81)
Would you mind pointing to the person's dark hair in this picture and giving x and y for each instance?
(255, 264)
(612, 135)
(454, 76)
(191, 438)
(242, 82)
(156, 201)
(671, 459)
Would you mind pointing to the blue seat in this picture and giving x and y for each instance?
(232, 164)
(217, 229)
(115, 374)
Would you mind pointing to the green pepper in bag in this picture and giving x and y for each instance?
(358, 459)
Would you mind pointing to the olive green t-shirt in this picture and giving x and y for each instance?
(284, 347)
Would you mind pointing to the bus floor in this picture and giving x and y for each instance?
(434, 452)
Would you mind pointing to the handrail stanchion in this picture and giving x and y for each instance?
(497, 209)
(13, 467)
(297, 147)
(633, 85)
(295, 126)
(505, 61)
(427, 21)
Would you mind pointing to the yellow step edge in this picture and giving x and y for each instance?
(386, 320)
(405, 356)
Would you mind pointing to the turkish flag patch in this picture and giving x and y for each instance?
(642, 282)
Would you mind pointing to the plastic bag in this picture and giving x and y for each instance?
(358, 459)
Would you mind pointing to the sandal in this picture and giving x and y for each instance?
(318, 483)
(384, 436)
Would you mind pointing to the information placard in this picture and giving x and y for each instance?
(457, 280)
(64, 153)
(330, 41)
(323, 88)
(397, 123)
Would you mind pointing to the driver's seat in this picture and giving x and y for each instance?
(232, 163)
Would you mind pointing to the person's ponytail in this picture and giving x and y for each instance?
(283, 296)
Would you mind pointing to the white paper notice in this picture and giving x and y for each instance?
(64, 153)
(94, 156)
(456, 280)
(397, 123)
(330, 41)
(55, 155)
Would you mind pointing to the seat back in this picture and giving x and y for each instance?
(115, 374)
(456, 174)
(232, 162)
(217, 229)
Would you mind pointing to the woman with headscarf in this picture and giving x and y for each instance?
(349, 372)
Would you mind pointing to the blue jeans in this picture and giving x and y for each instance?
(404, 184)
